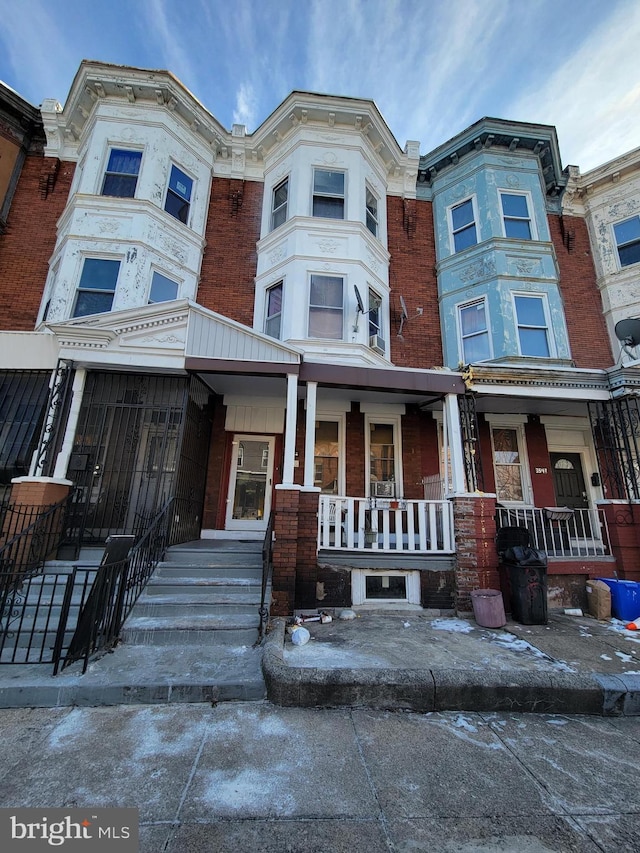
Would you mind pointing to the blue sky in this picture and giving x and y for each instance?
(432, 66)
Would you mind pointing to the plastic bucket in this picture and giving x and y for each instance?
(488, 608)
(625, 598)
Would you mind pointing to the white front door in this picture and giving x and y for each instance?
(250, 482)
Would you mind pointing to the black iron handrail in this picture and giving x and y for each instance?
(115, 590)
(32, 535)
(267, 570)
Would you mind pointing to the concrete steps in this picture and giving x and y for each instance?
(205, 592)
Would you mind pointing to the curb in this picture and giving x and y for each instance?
(443, 690)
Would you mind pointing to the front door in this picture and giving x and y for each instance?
(250, 483)
(568, 480)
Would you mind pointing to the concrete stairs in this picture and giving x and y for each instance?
(204, 593)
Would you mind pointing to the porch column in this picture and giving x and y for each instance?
(310, 435)
(453, 440)
(62, 462)
(290, 430)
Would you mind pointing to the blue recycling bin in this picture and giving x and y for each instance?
(625, 598)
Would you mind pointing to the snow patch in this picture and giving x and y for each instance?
(460, 626)
(463, 723)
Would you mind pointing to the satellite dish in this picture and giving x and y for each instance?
(403, 305)
(359, 299)
(628, 333)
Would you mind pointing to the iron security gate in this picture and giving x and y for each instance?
(127, 451)
(23, 395)
(616, 434)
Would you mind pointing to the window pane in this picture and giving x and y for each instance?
(329, 208)
(517, 229)
(180, 183)
(534, 342)
(274, 300)
(509, 483)
(515, 205)
(476, 348)
(325, 323)
(177, 207)
(630, 254)
(326, 182)
(90, 302)
(505, 444)
(163, 289)
(465, 238)
(473, 319)
(628, 230)
(326, 290)
(124, 162)
(462, 215)
(530, 311)
(122, 186)
(326, 455)
(280, 194)
(99, 274)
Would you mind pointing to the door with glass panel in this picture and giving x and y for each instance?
(250, 483)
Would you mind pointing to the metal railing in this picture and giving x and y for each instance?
(29, 535)
(382, 525)
(560, 532)
(62, 615)
(267, 571)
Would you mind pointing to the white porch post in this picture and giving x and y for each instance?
(453, 438)
(62, 462)
(310, 435)
(290, 430)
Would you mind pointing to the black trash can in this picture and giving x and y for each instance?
(527, 568)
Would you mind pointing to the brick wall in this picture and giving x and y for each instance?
(588, 336)
(285, 552)
(355, 451)
(538, 452)
(230, 258)
(26, 247)
(412, 275)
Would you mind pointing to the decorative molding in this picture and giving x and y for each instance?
(482, 268)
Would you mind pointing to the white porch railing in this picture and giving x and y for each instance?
(577, 533)
(366, 524)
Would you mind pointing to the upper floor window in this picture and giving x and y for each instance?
(163, 289)
(371, 203)
(279, 204)
(516, 216)
(328, 194)
(121, 176)
(326, 307)
(533, 325)
(375, 322)
(474, 332)
(628, 241)
(273, 318)
(178, 200)
(463, 225)
(97, 286)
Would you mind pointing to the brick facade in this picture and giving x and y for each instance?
(476, 555)
(27, 246)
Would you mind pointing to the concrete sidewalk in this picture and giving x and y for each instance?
(244, 777)
(409, 660)
(382, 659)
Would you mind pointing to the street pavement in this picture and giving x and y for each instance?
(251, 776)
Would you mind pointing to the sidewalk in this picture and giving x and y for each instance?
(409, 660)
(382, 659)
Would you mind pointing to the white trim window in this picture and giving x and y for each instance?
(97, 286)
(279, 204)
(163, 289)
(627, 236)
(517, 222)
(376, 338)
(328, 194)
(475, 340)
(384, 454)
(532, 319)
(462, 224)
(273, 310)
(178, 198)
(326, 307)
(509, 454)
(121, 174)
(371, 204)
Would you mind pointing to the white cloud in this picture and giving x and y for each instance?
(246, 106)
(594, 97)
